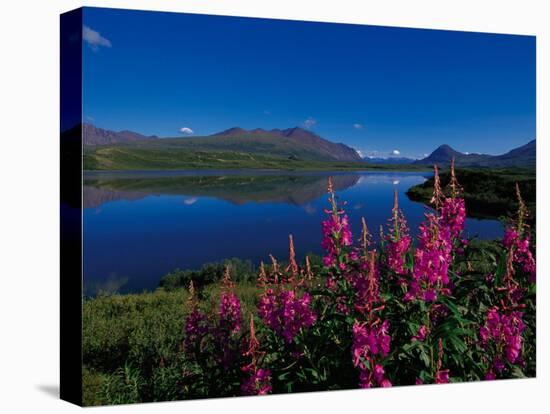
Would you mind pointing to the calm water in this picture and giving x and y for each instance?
(140, 226)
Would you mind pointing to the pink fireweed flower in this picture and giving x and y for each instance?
(490, 375)
(366, 285)
(437, 197)
(453, 215)
(441, 375)
(398, 239)
(421, 335)
(503, 330)
(432, 259)
(259, 381)
(196, 328)
(522, 254)
(518, 240)
(196, 324)
(285, 312)
(368, 345)
(230, 312)
(230, 307)
(336, 231)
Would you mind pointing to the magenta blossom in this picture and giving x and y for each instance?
(230, 313)
(421, 335)
(368, 344)
(398, 240)
(442, 376)
(432, 260)
(259, 383)
(285, 312)
(504, 330)
(522, 253)
(453, 215)
(196, 328)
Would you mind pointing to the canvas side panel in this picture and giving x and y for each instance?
(71, 207)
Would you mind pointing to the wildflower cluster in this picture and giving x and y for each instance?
(286, 312)
(370, 343)
(327, 325)
(432, 259)
(504, 331)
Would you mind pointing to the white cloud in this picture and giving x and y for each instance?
(358, 126)
(186, 131)
(94, 39)
(361, 153)
(309, 123)
(190, 201)
(396, 152)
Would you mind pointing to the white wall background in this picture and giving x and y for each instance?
(29, 189)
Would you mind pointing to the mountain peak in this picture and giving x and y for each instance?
(521, 156)
(92, 135)
(297, 138)
(447, 149)
(231, 131)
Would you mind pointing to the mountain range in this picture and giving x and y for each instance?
(524, 156)
(259, 145)
(292, 143)
(93, 135)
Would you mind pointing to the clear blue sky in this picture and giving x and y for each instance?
(377, 89)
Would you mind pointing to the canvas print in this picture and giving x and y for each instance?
(274, 206)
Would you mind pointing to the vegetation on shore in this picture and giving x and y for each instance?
(488, 193)
(440, 310)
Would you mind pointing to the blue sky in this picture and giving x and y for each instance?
(377, 89)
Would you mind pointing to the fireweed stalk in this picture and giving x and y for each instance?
(503, 331)
(371, 339)
(453, 209)
(398, 240)
(336, 232)
(229, 322)
(433, 255)
(517, 238)
(441, 375)
(432, 260)
(259, 379)
(282, 307)
(196, 325)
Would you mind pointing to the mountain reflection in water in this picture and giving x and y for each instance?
(141, 225)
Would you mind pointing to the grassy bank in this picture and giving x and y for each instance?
(136, 158)
(132, 343)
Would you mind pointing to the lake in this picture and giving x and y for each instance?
(138, 226)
